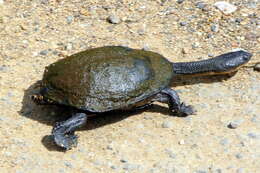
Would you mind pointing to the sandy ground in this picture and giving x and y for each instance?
(34, 34)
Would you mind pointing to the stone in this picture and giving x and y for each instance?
(257, 67)
(225, 7)
(113, 19)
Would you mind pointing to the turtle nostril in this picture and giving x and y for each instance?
(247, 56)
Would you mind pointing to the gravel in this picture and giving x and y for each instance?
(255, 119)
(201, 171)
(214, 28)
(252, 135)
(44, 52)
(69, 19)
(114, 19)
(225, 7)
(167, 124)
(130, 167)
(123, 160)
(201, 5)
(240, 170)
(257, 67)
(170, 153)
(183, 23)
(224, 142)
(235, 124)
(180, 1)
(68, 164)
(239, 156)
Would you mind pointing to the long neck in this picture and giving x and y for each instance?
(197, 67)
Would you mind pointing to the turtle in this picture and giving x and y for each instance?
(112, 78)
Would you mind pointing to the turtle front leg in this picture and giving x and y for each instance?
(63, 132)
(171, 97)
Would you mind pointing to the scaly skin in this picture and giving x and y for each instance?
(225, 63)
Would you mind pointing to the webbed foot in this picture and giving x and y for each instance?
(67, 141)
(185, 110)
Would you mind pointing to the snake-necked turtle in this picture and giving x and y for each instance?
(119, 78)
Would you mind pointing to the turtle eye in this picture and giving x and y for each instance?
(246, 58)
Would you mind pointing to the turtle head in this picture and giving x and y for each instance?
(232, 61)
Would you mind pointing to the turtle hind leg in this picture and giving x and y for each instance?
(63, 132)
(171, 97)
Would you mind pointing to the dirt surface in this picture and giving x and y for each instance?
(223, 136)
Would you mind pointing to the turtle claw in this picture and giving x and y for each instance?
(67, 141)
(186, 110)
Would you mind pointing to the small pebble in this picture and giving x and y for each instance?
(218, 171)
(45, 1)
(184, 50)
(210, 55)
(141, 31)
(130, 167)
(123, 160)
(69, 46)
(239, 156)
(214, 28)
(170, 153)
(195, 45)
(70, 19)
(181, 142)
(3, 68)
(113, 19)
(238, 20)
(209, 35)
(225, 7)
(255, 119)
(201, 171)
(235, 124)
(240, 170)
(183, 23)
(224, 141)
(201, 5)
(167, 124)
(44, 52)
(252, 135)
(68, 164)
(257, 67)
(180, 1)
(113, 167)
(110, 147)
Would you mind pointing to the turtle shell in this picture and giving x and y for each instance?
(106, 78)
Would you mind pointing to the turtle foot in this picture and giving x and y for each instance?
(67, 141)
(185, 110)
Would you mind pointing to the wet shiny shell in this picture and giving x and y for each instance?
(106, 78)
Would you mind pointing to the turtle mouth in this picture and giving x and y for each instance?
(38, 99)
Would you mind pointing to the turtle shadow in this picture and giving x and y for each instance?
(102, 120)
(49, 114)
